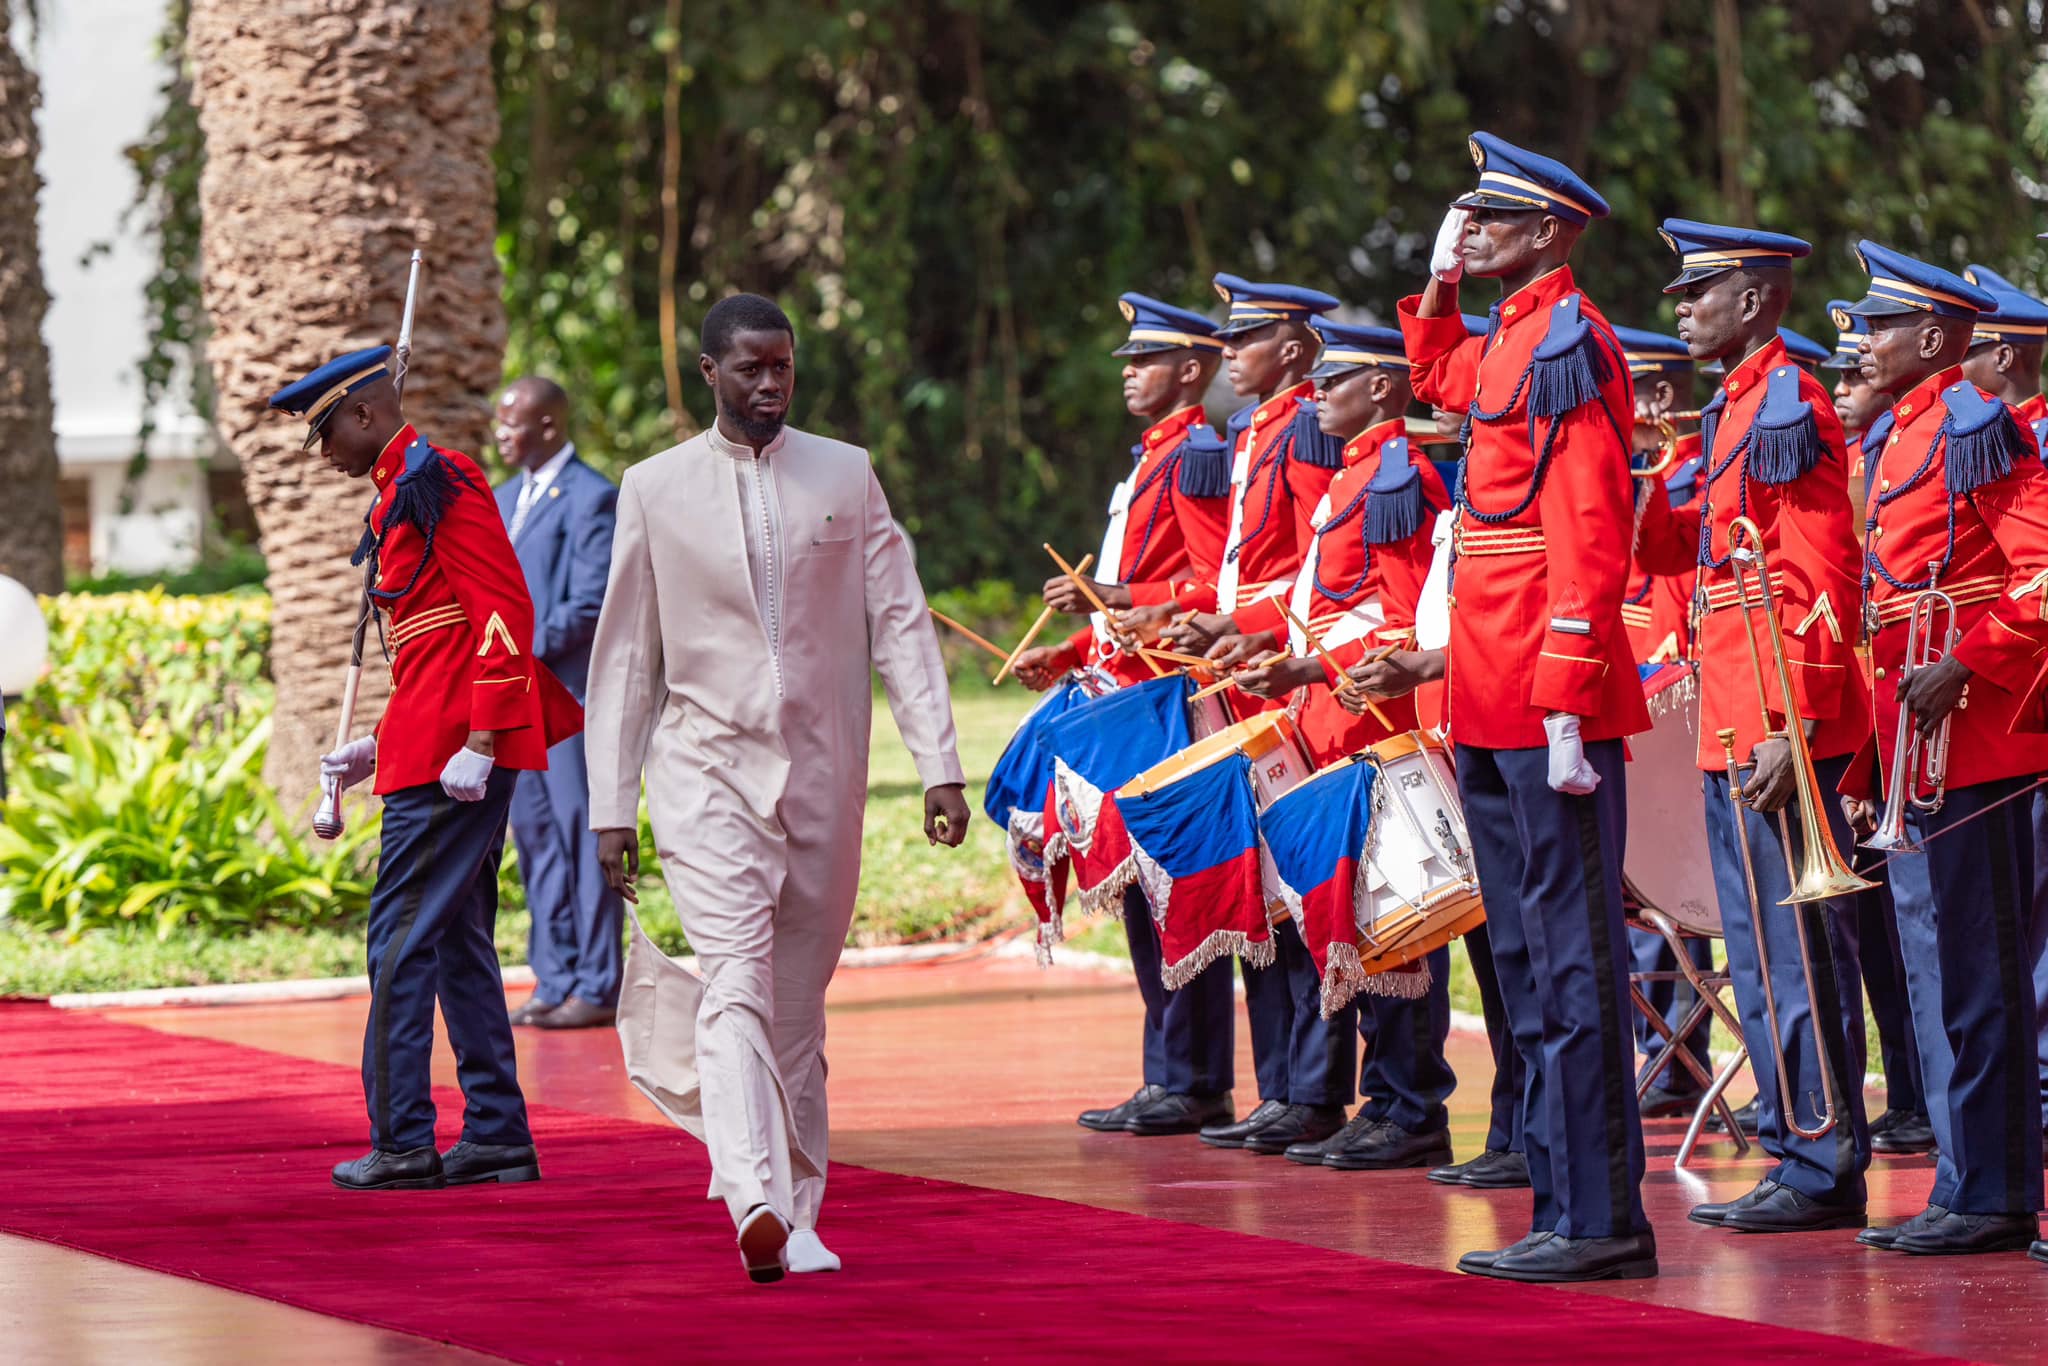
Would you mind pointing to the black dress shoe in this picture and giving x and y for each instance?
(1479, 1262)
(1176, 1112)
(1555, 1260)
(577, 1013)
(1234, 1135)
(1492, 1170)
(1955, 1234)
(2039, 1251)
(1658, 1103)
(1784, 1210)
(1745, 1116)
(1297, 1124)
(1388, 1148)
(1887, 1238)
(1907, 1133)
(1713, 1214)
(1111, 1120)
(533, 1010)
(415, 1169)
(470, 1164)
(1312, 1154)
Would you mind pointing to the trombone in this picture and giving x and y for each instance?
(1820, 873)
(1916, 762)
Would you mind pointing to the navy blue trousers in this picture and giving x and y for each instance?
(1405, 1076)
(578, 921)
(431, 917)
(1550, 872)
(1648, 952)
(1510, 1078)
(1884, 980)
(1966, 902)
(1831, 1167)
(2038, 943)
(1300, 1058)
(1188, 1044)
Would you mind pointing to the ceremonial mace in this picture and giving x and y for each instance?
(327, 821)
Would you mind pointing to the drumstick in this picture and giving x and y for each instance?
(1109, 618)
(984, 643)
(1036, 626)
(1173, 656)
(1230, 680)
(1329, 662)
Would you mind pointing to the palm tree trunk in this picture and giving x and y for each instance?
(339, 136)
(32, 531)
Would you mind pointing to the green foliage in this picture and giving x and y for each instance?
(221, 569)
(997, 610)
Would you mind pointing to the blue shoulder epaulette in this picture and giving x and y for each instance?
(1234, 426)
(1394, 510)
(1784, 438)
(1877, 433)
(1682, 485)
(1204, 464)
(419, 499)
(1311, 444)
(1569, 364)
(1983, 438)
(2041, 434)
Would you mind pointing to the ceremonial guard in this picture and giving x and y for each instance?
(1542, 688)
(1357, 591)
(1776, 509)
(2005, 362)
(1903, 1127)
(1959, 509)
(470, 709)
(1165, 538)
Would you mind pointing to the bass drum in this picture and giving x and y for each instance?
(1667, 867)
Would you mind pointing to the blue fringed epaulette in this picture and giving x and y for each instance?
(2041, 435)
(1204, 464)
(1311, 445)
(1236, 424)
(1569, 365)
(1983, 438)
(1394, 510)
(421, 495)
(1876, 434)
(1784, 439)
(1682, 485)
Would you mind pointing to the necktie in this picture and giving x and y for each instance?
(529, 494)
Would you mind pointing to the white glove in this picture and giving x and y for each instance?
(1569, 771)
(466, 774)
(350, 764)
(1444, 262)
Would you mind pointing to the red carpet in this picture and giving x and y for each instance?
(209, 1161)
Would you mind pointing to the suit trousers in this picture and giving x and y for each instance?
(1829, 1168)
(578, 921)
(1405, 1077)
(431, 919)
(2037, 944)
(1964, 904)
(1510, 1079)
(1300, 1058)
(1187, 1033)
(1884, 981)
(1550, 871)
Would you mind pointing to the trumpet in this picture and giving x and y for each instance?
(1917, 763)
(1667, 443)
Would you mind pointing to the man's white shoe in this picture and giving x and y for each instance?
(804, 1252)
(763, 1236)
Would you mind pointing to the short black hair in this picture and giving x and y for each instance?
(738, 313)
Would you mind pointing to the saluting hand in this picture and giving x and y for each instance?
(618, 855)
(945, 815)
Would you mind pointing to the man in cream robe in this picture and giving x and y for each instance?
(756, 577)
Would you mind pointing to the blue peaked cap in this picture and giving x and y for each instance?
(1512, 177)
(1707, 249)
(1803, 349)
(1253, 305)
(1348, 347)
(316, 396)
(1850, 331)
(1157, 326)
(1650, 352)
(2018, 317)
(1901, 284)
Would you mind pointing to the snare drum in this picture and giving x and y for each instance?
(1667, 866)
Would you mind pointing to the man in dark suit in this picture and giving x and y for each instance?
(559, 513)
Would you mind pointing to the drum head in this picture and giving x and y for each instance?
(1667, 865)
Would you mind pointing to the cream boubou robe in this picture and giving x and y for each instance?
(756, 763)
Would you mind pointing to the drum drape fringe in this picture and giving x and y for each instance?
(1344, 974)
(1158, 887)
(1025, 833)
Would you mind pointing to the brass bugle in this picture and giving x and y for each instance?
(1916, 762)
(1422, 432)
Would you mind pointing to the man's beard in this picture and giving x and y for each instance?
(758, 431)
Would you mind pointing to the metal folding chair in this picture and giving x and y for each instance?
(1696, 919)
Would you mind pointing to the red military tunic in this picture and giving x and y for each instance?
(1281, 465)
(2034, 413)
(1657, 608)
(1360, 558)
(1991, 543)
(1167, 541)
(1543, 549)
(1773, 451)
(460, 622)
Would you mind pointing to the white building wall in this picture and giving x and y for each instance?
(100, 79)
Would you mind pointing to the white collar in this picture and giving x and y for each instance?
(735, 451)
(548, 473)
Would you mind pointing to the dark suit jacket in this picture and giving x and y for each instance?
(566, 550)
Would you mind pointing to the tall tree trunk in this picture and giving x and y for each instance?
(32, 531)
(340, 134)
